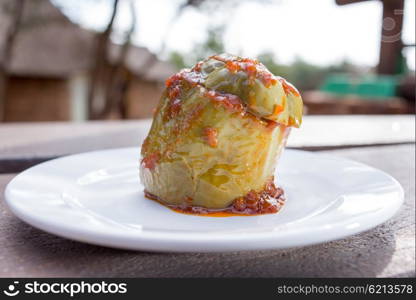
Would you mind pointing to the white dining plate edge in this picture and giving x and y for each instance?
(164, 242)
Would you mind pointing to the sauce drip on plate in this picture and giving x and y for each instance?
(268, 201)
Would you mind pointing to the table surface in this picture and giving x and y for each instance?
(388, 250)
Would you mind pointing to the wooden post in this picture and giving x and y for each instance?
(391, 37)
(391, 43)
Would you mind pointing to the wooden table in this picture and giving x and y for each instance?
(384, 142)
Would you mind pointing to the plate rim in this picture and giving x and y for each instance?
(153, 241)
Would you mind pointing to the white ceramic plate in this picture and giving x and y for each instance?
(96, 197)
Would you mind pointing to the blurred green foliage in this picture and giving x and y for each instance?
(213, 44)
(302, 74)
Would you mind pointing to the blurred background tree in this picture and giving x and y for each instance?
(15, 11)
(302, 74)
(93, 59)
(212, 45)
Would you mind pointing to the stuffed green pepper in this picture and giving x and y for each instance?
(216, 136)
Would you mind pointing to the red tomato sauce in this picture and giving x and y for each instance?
(150, 161)
(288, 88)
(210, 136)
(268, 201)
